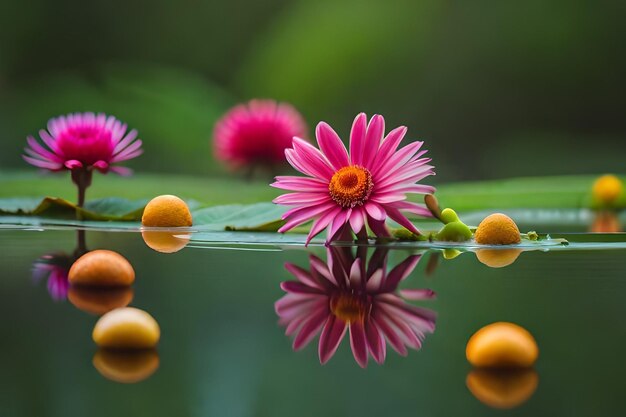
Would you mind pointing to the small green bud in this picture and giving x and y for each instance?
(532, 235)
(448, 216)
(454, 232)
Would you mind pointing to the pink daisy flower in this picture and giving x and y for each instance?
(82, 142)
(346, 295)
(364, 187)
(257, 133)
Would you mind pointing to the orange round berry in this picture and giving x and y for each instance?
(103, 268)
(502, 345)
(166, 211)
(607, 189)
(497, 229)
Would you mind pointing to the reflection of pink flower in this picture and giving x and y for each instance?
(54, 269)
(83, 141)
(346, 294)
(257, 133)
(364, 187)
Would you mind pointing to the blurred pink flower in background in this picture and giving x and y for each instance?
(345, 294)
(82, 142)
(366, 186)
(257, 133)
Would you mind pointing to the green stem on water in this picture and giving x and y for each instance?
(82, 179)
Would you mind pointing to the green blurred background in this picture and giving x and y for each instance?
(496, 89)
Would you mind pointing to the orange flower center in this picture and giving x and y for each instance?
(348, 308)
(351, 186)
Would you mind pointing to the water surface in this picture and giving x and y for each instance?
(223, 351)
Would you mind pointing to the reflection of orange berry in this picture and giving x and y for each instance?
(126, 367)
(497, 229)
(502, 345)
(126, 328)
(165, 242)
(99, 301)
(103, 268)
(497, 258)
(502, 389)
(607, 189)
(166, 211)
(606, 222)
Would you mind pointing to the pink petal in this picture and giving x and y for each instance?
(375, 211)
(339, 221)
(331, 146)
(375, 281)
(321, 223)
(388, 147)
(375, 342)
(355, 273)
(300, 215)
(357, 220)
(331, 336)
(42, 151)
(73, 164)
(301, 198)
(125, 142)
(303, 276)
(302, 184)
(311, 159)
(299, 288)
(398, 159)
(418, 294)
(123, 171)
(400, 272)
(357, 139)
(401, 219)
(309, 329)
(390, 333)
(373, 137)
(378, 227)
(358, 342)
(101, 166)
(42, 164)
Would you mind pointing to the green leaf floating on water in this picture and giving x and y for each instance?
(122, 213)
(112, 208)
(260, 217)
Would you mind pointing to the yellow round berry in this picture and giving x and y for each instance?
(126, 328)
(126, 367)
(607, 189)
(166, 211)
(497, 229)
(102, 268)
(497, 258)
(502, 345)
(502, 389)
(165, 242)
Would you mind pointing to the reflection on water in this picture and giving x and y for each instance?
(497, 258)
(127, 367)
(605, 221)
(503, 389)
(53, 268)
(102, 295)
(165, 242)
(99, 301)
(348, 293)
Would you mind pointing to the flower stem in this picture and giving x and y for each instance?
(82, 179)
